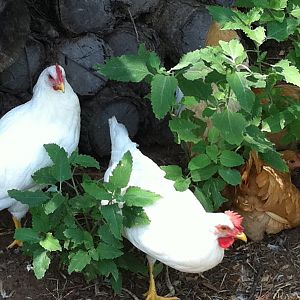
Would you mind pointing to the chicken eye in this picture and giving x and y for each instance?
(50, 77)
(291, 161)
(224, 227)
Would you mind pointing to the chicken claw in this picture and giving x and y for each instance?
(16, 242)
(151, 294)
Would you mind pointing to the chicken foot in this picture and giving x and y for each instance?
(18, 243)
(151, 294)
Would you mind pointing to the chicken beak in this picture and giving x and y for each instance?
(242, 236)
(60, 87)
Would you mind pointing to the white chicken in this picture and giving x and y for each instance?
(51, 116)
(181, 233)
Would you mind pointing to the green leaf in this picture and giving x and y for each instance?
(61, 170)
(213, 135)
(231, 176)
(41, 263)
(76, 235)
(50, 243)
(126, 68)
(96, 191)
(221, 14)
(231, 126)
(204, 173)
(212, 151)
(27, 235)
(172, 172)
(135, 196)
(107, 237)
(231, 159)
(234, 49)
(197, 71)
(290, 73)
(54, 203)
(121, 174)
(184, 128)
(258, 34)
(32, 199)
(106, 251)
(257, 140)
(132, 263)
(163, 89)
(215, 186)
(274, 159)
(281, 31)
(116, 284)
(107, 267)
(113, 217)
(182, 184)
(205, 202)
(41, 221)
(44, 176)
(83, 202)
(84, 161)
(134, 216)
(243, 93)
(78, 261)
(187, 59)
(199, 162)
(296, 12)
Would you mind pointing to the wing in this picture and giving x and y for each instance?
(267, 197)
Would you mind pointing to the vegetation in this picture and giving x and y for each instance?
(81, 223)
(220, 118)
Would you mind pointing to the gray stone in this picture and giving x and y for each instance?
(14, 24)
(125, 39)
(138, 7)
(86, 16)
(21, 75)
(117, 101)
(182, 26)
(78, 56)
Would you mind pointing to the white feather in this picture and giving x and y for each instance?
(181, 234)
(49, 117)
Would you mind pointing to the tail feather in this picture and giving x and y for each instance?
(120, 141)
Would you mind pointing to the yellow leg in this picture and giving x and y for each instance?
(151, 294)
(16, 242)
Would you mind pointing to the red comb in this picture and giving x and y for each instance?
(59, 73)
(235, 218)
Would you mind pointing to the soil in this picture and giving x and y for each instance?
(253, 271)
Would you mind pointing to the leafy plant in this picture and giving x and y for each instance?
(82, 223)
(226, 107)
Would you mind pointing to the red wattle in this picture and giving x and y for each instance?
(226, 241)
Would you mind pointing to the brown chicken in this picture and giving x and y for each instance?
(267, 198)
(215, 34)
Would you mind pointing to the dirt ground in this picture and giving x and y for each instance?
(261, 271)
(254, 271)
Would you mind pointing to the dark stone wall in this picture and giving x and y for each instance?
(79, 34)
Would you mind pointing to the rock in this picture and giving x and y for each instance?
(111, 101)
(14, 24)
(182, 26)
(21, 75)
(138, 7)
(125, 40)
(78, 56)
(86, 16)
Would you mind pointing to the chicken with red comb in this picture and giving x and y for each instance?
(51, 116)
(181, 234)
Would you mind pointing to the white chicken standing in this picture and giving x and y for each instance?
(51, 116)
(181, 233)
